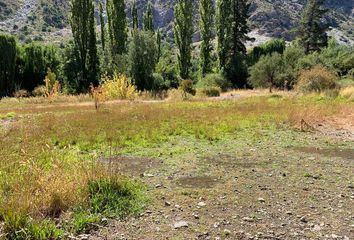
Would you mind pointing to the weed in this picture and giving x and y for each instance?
(84, 222)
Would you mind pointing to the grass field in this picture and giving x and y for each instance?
(273, 166)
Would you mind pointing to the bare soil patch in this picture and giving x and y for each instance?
(198, 182)
(230, 161)
(327, 152)
(132, 165)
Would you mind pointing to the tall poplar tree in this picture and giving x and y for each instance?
(134, 13)
(7, 64)
(82, 23)
(103, 30)
(206, 25)
(183, 33)
(149, 19)
(117, 25)
(312, 31)
(232, 29)
(158, 43)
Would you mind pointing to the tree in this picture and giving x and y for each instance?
(149, 19)
(7, 64)
(117, 25)
(82, 23)
(158, 42)
(142, 59)
(183, 32)
(134, 13)
(266, 72)
(103, 30)
(206, 25)
(232, 34)
(269, 47)
(312, 32)
(71, 68)
(92, 61)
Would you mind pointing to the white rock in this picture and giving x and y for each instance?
(180, 224)
(201, 204)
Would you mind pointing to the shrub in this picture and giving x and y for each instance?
(210, 91)
(115, 197)
(214, 80)
(21, 93)
(159, 82)
(98, 95)
(317, 79)
(52, 86)
(39, 91)
(119, 87)
(187, 87)
(266, 72)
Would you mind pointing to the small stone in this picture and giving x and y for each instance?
(334, 236)
(180, 224)
(104, 221)
(312, 158)
(303, 219)
(289, 213)
(196, 216)
(158, 185)
(216, 225)
(148, 175)
(248, 219)
(201, 204)
(178, 206)
(261, 200)
(227, 232)
(317, 228)
(167, 203)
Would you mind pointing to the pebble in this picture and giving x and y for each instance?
(248, 219)
(227, 232)
(180, 224)
(261, 200)
(167, 203)
(201, 204)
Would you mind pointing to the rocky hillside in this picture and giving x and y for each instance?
(47, 19)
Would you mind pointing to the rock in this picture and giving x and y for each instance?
(216, 224)
(261, 200)
(196, 216)
(317, 228)
(227, 232)
(248, 219)
(180, 224)
(178, 206)
(334, 236)
(167, 203)
(303, 219)
(104, 221)
(289, 213)
(148, 175)
(201, 204)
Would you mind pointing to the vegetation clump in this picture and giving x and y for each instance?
(317, 79)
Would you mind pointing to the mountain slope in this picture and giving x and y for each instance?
(271, 18)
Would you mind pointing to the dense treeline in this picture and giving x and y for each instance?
(140, 51)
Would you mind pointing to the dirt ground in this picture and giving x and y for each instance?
(275, 188)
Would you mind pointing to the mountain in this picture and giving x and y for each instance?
(48, 19)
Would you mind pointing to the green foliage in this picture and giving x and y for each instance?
(187, 87)
(103, 29)
(232, 30)
(183, 33)
(37, 59)
(117, 26)
(82, 23)
(18, 226)
(210, 91)
(142, 59)
(206, 26)
(166, 67)
(84, 222)
(312, 31)
(7, 64)
(148, 19)
(71, 69)
(266, 72)
(274, 45)
(134, 13)
(115, 197)
(214, 80)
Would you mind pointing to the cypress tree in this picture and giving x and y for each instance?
(103, 30)
(82, 23)
(183, 33)
(206, 25)
(312, 32)
(158, 43)
(7, 64)
(92, 61)
(232, 35)
(148, 19)
(117, 25)
(134, 13)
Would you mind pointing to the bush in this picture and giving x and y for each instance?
(214, 80)
(159, 82)
(119, 87)
(317, 79)
(210, 91)
(187, 87)
(39, 91)
(115, 197)
(21, 93)
(266, 72)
